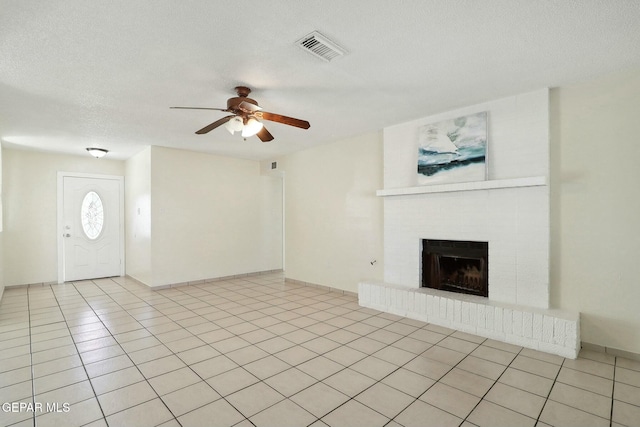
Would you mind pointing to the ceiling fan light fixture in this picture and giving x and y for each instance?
(97, 152)
(234, 125)
(251, 128)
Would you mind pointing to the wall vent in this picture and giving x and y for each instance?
(320, 46)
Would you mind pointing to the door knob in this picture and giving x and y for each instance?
(67, 235)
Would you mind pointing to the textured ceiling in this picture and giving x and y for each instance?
(83, 73)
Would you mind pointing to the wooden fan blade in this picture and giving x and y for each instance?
(264, 135)
(214, 125)
(200, 108)
(282, 119)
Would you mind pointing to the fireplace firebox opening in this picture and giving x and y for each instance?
(456, 266)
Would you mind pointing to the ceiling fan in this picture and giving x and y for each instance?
(246, 116)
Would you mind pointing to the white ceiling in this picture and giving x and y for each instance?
(81, 73)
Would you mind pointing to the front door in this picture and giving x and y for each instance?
(91, 227)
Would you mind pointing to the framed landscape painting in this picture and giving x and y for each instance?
(453, 150)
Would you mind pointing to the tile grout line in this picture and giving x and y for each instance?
(78, 351)
(333, 313)
(351, 398)
(371, 355)
(288, 398)
(297, 344)
(162, 343)
(33, 374)
(104, 416)
(452, 368)
(546, 400)
(221, 396)
(269, 354)
(136, 365)
(174, 354)
(298, 302)
(498, 380)
(613, 390)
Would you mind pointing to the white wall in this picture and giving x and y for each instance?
(518, 140)
(596, 208)
(212, 216)
(138, 216)
(1, 264)
(514, 221)
(200, 216)
(30, 202)
(1, 233)
(333, 217)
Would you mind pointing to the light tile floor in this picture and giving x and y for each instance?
(259, 351)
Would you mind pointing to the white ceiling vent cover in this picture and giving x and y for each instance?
(320, 46)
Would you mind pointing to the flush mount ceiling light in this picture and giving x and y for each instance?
(97, 152)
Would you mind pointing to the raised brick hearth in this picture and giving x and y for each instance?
(552, 331)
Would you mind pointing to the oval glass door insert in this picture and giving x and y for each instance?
(92, 215)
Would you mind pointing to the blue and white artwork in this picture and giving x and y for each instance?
(453, 150)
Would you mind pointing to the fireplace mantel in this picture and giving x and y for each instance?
(533, 181)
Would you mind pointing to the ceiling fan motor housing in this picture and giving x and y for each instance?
(234, 103)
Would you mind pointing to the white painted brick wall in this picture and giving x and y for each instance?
(515, 221)
(552, 331)
(537, 326)
(517, 322)
(508, 321)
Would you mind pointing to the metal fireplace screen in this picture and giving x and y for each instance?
(456, 266)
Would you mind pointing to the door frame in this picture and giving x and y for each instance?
(60, 225)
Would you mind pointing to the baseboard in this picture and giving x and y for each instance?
(315, 285)
(32, 285)
(135, 279)
(214, 279)
(171, 285)
(612, 351)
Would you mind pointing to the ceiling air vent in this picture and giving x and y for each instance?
(320, 46)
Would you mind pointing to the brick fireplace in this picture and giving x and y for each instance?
(509, 212)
